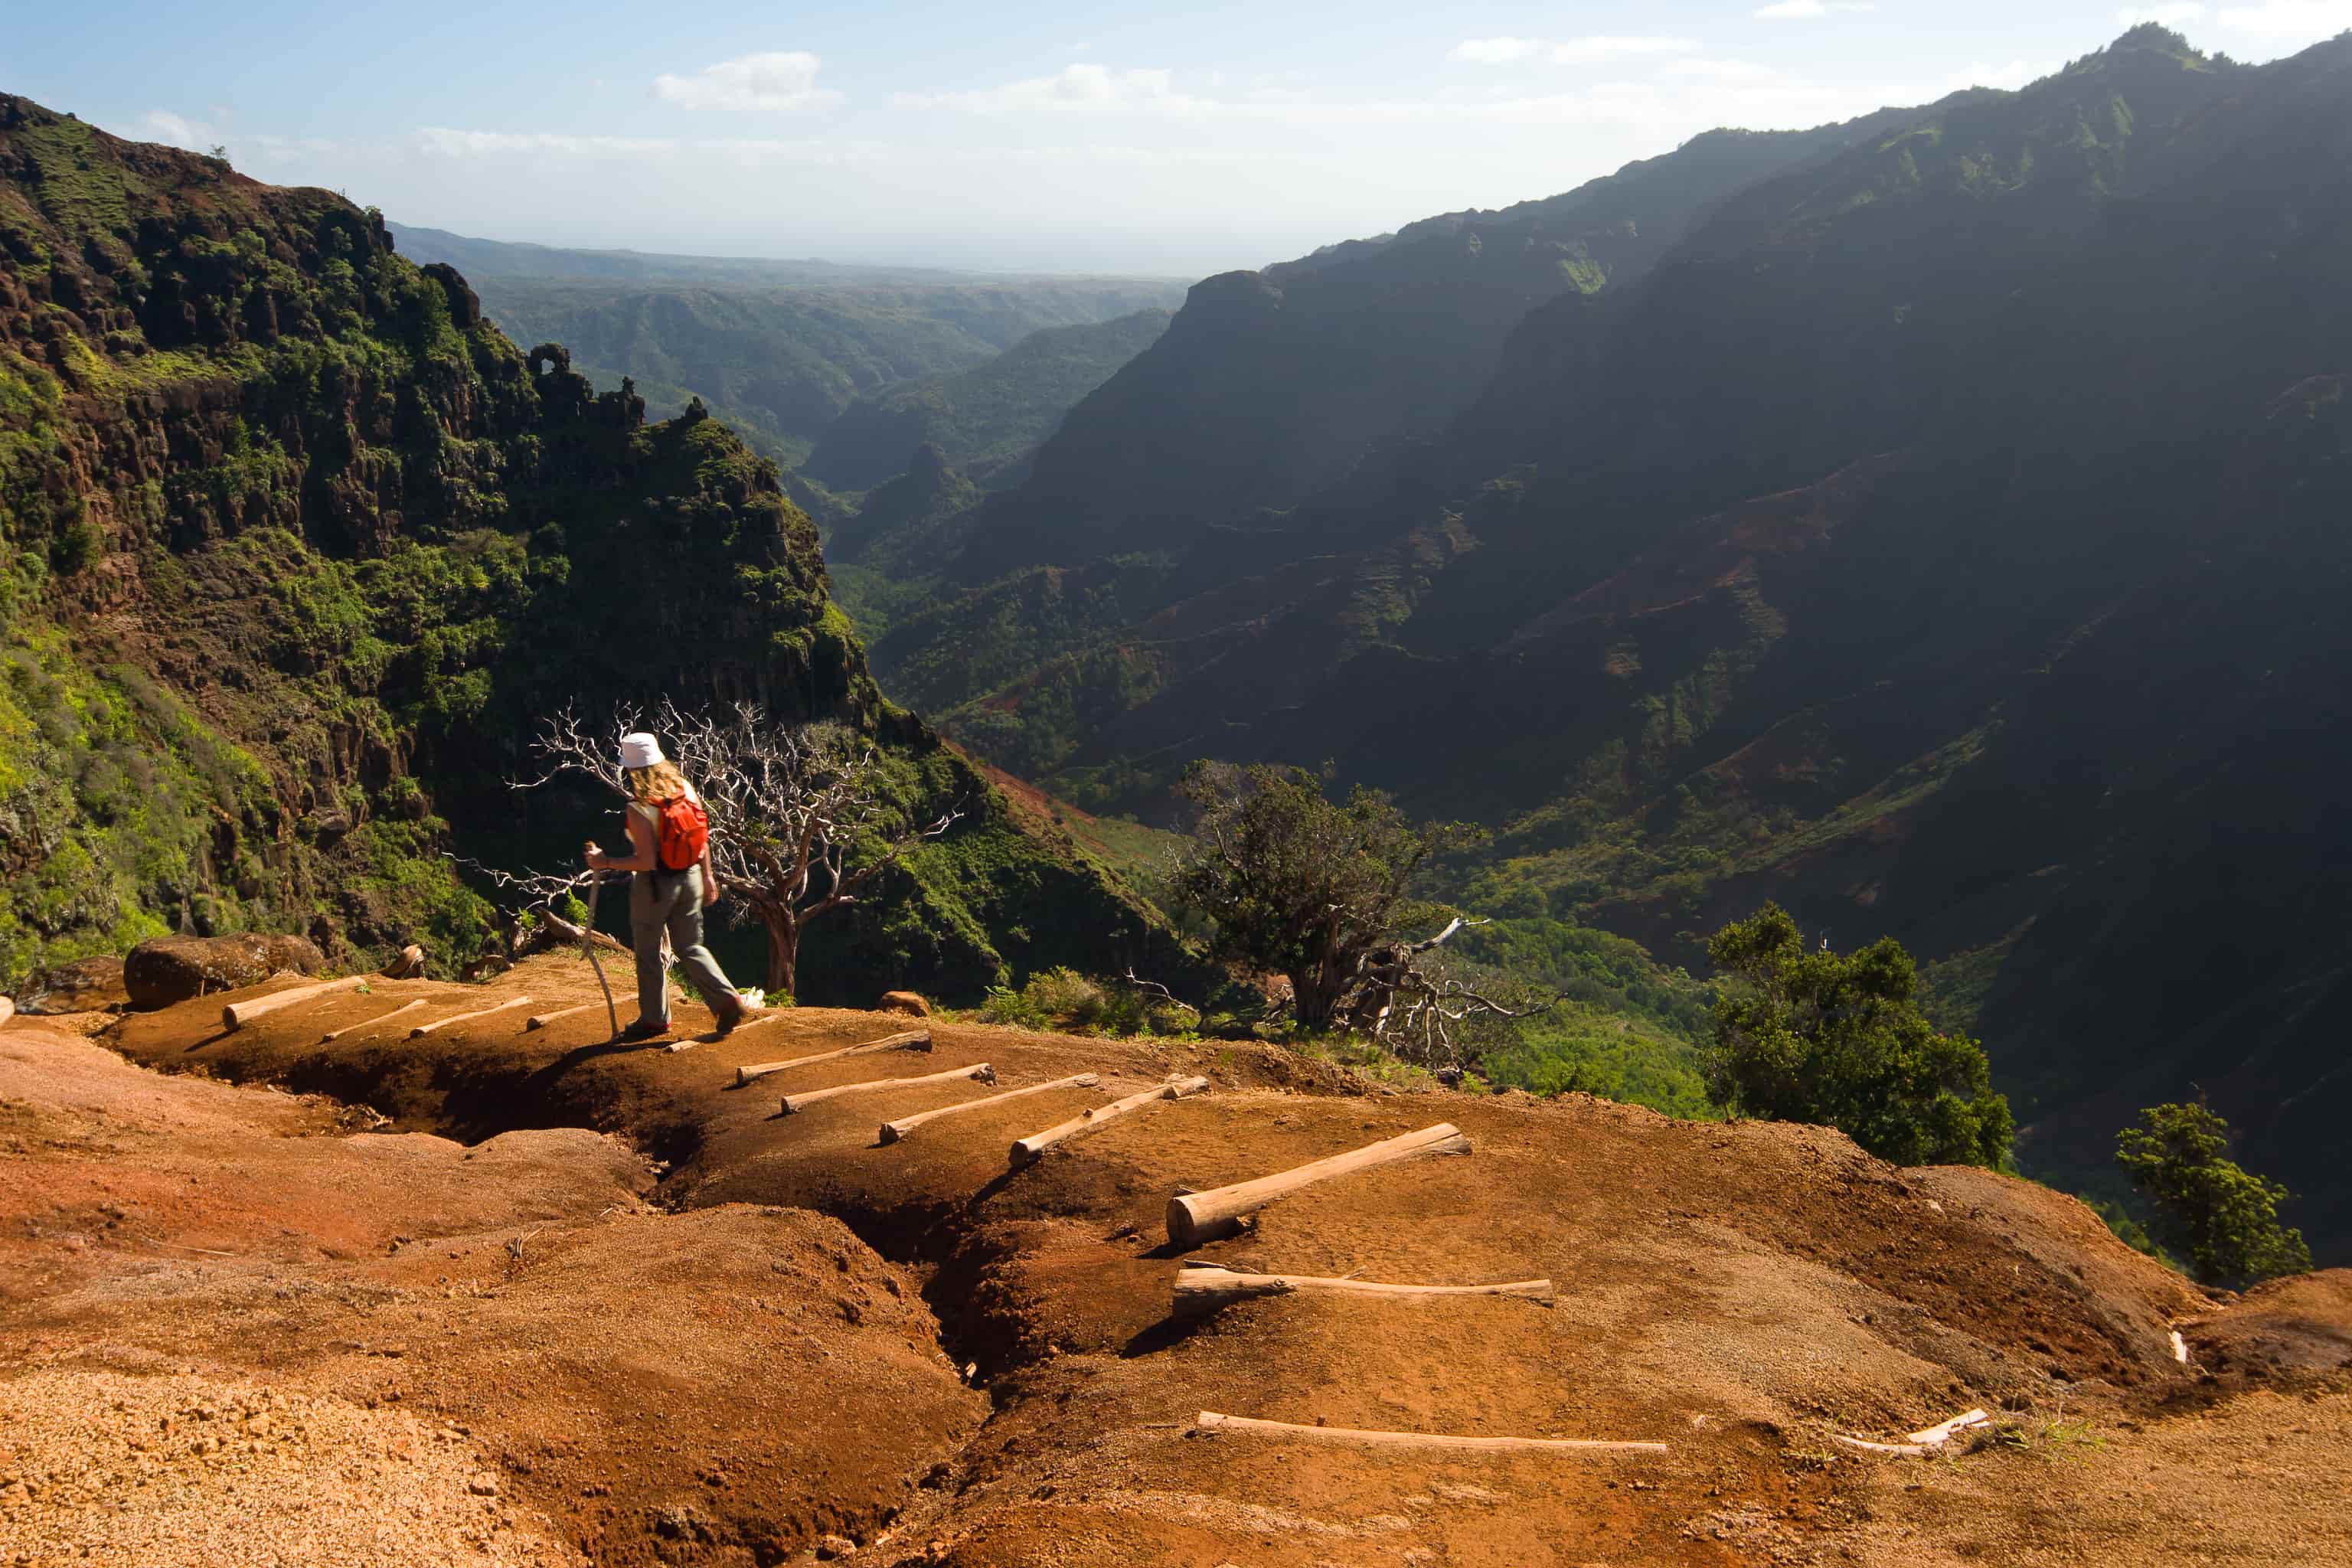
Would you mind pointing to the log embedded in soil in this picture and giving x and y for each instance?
(8, 1009)
(422, 1030)
(1922, 1443)
(911, 1040)
(1204, 1289)
(894, 1131)
(541, 1020)
(1196, 1217)
(982, 1072)
(372, 1023)
(237, 1015)
(1029, 1149)
(1210, 1421)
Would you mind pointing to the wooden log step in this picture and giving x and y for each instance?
(1196, 1217)
(1026, 1150)
(910, 1040)
(422, 1030)
(894, 1131)
(980, 1072)
(372, 1023)
(237, 1015)
(1204, 1288)
(541, 1020)
(1210, 1421)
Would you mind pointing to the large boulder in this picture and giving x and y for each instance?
(906, 1002)
(168, 969)
(82, 987)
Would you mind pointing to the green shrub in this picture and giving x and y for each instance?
(1071, 1003)
(1840, 1039)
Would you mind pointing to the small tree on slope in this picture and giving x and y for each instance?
(1320, 892)
(1839, 1040)
(2222, 1217)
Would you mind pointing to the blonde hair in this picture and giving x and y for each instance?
(651, 786)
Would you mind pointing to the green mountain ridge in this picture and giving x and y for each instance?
(295, 548)
(984, 420)
(1942, 535)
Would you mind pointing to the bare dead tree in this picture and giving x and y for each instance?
(1428, 1012)
(799, 823)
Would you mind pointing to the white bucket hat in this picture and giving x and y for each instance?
(640, 750)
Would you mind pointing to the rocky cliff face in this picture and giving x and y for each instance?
(299, 549)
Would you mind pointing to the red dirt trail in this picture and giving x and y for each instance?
(502, 1295)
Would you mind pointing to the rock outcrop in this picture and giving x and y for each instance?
(168, 969)
(84, 986)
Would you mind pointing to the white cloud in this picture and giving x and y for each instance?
(2290, 21)
(2008, 78)
(1812, 10)
(178, 131)
(779, 80)
(1581, 51)
(1496, 51)
(1726, 72)
(1082, 88)
(2162, 15)
(1572, 51)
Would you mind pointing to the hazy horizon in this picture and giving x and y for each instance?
(1026, 138)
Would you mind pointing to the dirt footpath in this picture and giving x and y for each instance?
(764, 1347)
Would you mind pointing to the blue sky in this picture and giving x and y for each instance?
(1176, 140)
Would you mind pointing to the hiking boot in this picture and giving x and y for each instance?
(737, 1019)
(643, 1030)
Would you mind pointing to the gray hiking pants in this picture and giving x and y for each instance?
(672, 901)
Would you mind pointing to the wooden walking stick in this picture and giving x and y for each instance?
(588, 946)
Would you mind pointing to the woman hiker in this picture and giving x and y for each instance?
(670, 885)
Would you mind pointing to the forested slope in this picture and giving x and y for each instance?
(299, 549)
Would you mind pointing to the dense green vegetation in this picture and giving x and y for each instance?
(295, 550)
(2223, 1218)
(1937, 533)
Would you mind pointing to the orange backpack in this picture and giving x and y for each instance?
(681, 832)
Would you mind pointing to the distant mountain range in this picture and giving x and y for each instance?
(1940, 522)
(782, 349)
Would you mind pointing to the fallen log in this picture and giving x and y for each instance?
(1922, 1443)
(911, 1040)
(1204, 1288)
(237, 1015)
(1210, 1421)
(1027, 1151)
(1196, 1217)
(982, 1072)
(372, 1023)
(894, 1131)
(541, 1020)
(409, 965)
(422, 1030)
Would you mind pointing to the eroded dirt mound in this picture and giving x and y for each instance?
(629, 1384)
(1744, 1294)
